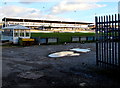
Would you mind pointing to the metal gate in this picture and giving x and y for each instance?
(108, 40)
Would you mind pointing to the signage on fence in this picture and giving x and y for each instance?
(52, 40)
(75, 39)
(43, 40)
(90, 38)
(83, 38)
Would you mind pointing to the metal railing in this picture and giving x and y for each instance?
(108, 40)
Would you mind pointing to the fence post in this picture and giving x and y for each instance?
(96, 20)
(119, 40)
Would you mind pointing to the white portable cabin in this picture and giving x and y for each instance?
(13, 33)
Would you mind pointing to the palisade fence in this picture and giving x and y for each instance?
(108, 40)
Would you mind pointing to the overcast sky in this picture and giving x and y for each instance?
(68, 10)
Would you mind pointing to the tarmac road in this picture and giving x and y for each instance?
(38, 70)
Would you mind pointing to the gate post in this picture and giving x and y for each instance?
(96, 27)
(119, 39)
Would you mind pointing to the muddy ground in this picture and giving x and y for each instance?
(65, 72)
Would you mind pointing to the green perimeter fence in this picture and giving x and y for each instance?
(62, 37)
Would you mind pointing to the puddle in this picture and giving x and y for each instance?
(64, 53)
(80, 50)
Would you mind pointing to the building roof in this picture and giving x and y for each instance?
(45, 21)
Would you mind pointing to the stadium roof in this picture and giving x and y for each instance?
(39, 20)
(16, 27)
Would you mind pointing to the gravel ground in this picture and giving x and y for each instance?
(30, 67)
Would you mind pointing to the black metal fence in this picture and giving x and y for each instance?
(108, 40)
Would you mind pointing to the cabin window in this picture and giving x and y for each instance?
(8, 32)
(22, 33)
(16, 33)
(27, 33)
